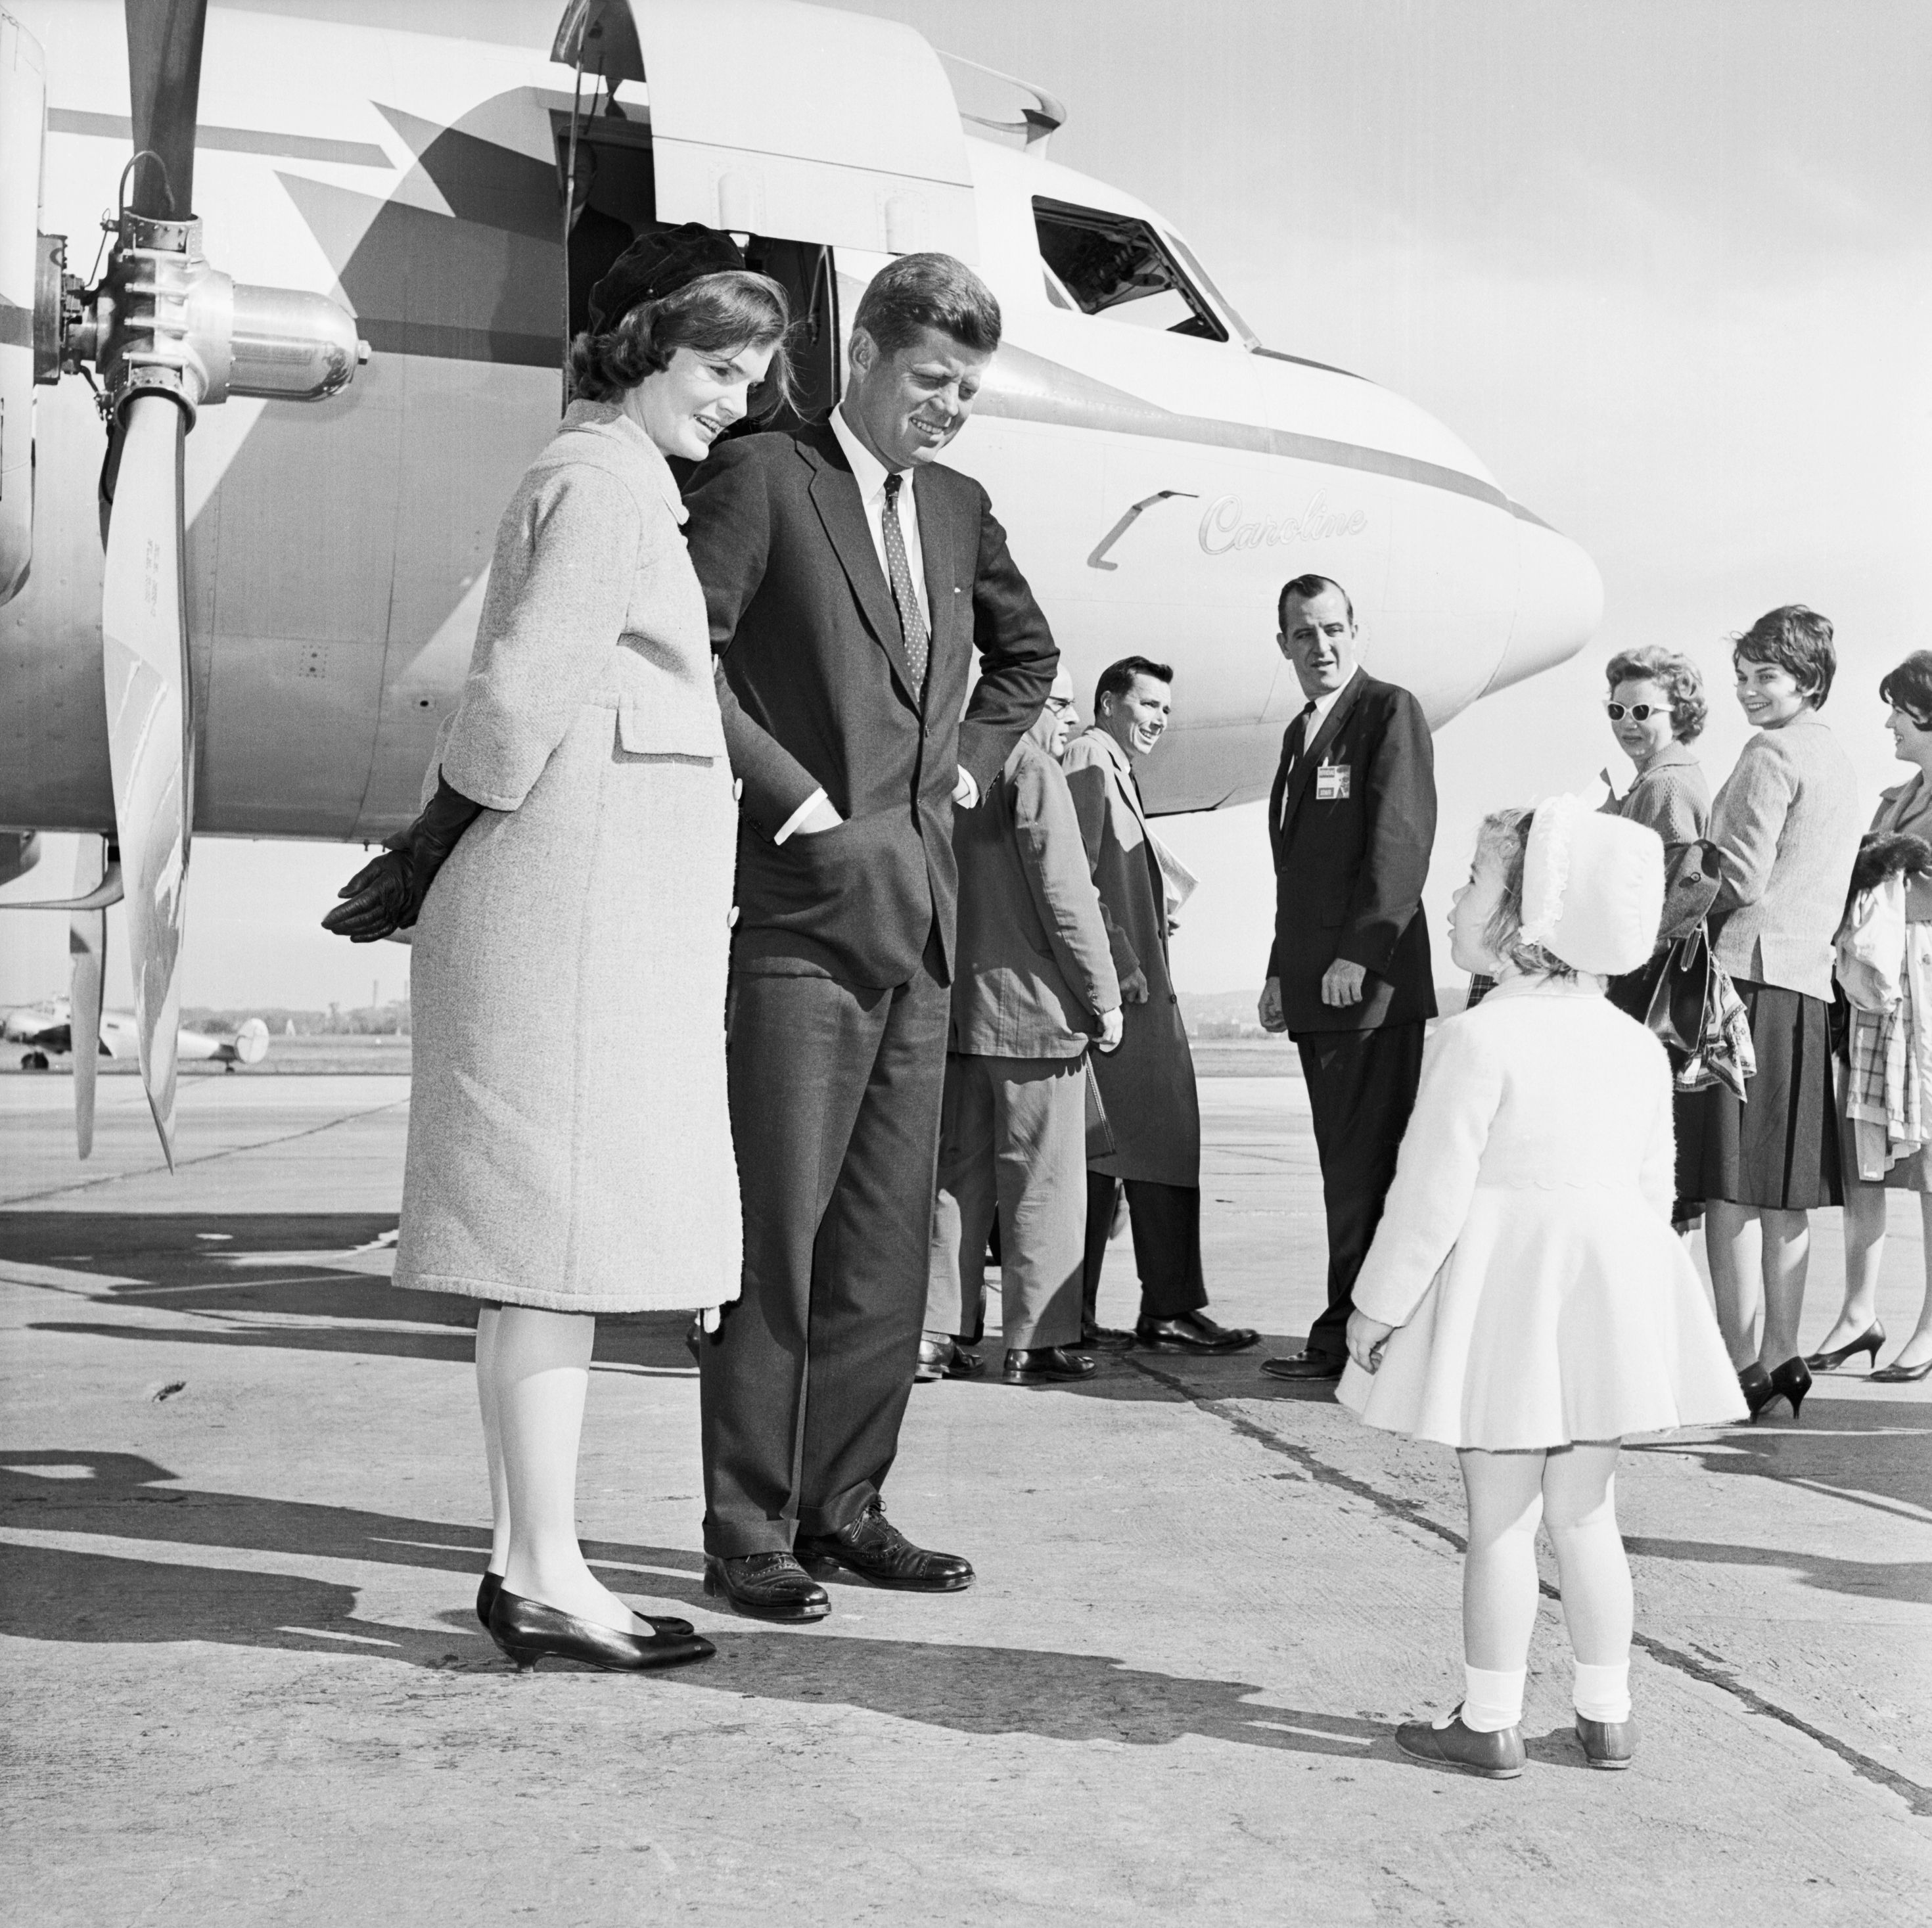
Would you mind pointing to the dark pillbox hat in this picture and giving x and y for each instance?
(654, 265)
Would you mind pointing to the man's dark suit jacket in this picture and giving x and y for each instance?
(1349, 870)
(816, 692)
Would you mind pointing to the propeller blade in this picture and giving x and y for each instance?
(164, 85)
(144, 665)
(87, 945)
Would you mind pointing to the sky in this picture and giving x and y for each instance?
(1666, 267)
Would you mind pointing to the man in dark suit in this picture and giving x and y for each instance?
(849, 578)
(1034, 985)
(1352, 818)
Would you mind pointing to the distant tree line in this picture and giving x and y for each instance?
(370, 1020)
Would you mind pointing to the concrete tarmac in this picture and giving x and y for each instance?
(244, 1511)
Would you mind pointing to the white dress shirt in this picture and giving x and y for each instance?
(1315, 715)
(870, 473)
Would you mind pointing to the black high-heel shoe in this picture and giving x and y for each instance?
(1754, 1382)
(1869, 1341)
(491, 1584)
(1895, 1374)
(527, 1631)
(1790, 1381)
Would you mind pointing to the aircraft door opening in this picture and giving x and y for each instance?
(613, 201)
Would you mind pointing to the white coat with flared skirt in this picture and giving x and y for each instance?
(1525, 1254)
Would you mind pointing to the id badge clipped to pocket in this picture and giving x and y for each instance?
(1331, 782)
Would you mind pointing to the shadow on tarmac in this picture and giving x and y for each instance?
(57, 1594)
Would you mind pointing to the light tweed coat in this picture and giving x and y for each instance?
(569, 1146)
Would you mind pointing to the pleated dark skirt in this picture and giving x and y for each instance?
(1779, 1151)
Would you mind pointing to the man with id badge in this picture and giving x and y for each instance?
(1351, 819)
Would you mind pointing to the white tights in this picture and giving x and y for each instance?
(1572, 1491)
(532, 1373)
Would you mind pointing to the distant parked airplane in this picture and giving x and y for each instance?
(48, 1027)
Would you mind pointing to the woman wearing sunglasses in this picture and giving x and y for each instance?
(1657, 710)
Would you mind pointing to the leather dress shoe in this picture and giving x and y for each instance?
(1105, 1339)
(491, 1584)
(946, 1359)
(1192, 1332)
(528, 1631)
(765, 1586)
(875, 1550)
(1306, 1366)
(1042, 1365)
(1495, 1757)
(1607, 1743)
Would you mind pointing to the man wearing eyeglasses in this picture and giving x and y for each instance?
(1351, 819)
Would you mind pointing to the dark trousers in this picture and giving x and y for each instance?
(834, 1093)
(1361, 1089)
(1166, 1222)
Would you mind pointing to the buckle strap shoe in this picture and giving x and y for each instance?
(528, 1631)
(765, 1586)
(1044, 1364)
(1607, 1743)
(875, 1550)
(946, 1359)
(1494, 1757)
(1193, 1332)
(1105, 1339)
(1306, 1365)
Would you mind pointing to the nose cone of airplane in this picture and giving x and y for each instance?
(1559, 603)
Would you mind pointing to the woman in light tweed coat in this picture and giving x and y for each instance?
(1786, 826)
(585, 808)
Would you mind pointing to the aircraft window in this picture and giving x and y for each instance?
(1116, 266)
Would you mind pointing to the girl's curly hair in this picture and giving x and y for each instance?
(1504, 840)
(715, 314)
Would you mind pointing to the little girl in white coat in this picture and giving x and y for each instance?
(1525, 1300)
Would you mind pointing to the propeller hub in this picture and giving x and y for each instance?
(165, 322)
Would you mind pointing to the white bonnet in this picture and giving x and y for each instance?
(1592, 887)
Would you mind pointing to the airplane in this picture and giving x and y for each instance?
(47, 1028)
(419, 196)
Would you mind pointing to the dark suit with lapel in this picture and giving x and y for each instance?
(1352, 851)
(837, 1018)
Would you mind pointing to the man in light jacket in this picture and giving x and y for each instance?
(1033, 985)
(1153, 1112)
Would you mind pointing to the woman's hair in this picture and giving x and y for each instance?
(1504, 839)
(1797, 640)
(1676, 676)
(1908, 687)
(715, 314)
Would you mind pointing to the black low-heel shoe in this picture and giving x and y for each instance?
(1790, 1382)
(1868, 1340)
(491, 1584)
(528, 1631)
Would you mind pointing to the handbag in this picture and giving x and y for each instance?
(1680, 995)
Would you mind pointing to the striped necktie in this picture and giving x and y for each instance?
(912, 624)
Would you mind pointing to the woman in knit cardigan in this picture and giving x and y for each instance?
(1786, 826)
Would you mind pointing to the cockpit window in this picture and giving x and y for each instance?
(1117, 266)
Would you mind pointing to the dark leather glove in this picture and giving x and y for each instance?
(387, 895)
